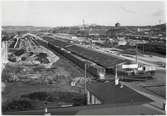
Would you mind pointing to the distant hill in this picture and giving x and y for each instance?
(24, 28)
(161, 27)
(101, 29)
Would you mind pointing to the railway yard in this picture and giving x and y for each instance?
(57, 69)
(157, 82)
(83, 57)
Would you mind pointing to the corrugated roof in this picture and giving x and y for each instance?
(108, 93)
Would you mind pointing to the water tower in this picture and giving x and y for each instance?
(117, 24)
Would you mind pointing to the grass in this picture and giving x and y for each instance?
(14, 91)
(37, 100)
(58, 97)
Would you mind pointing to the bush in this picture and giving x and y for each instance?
(42, 57)
(37, 96)
(19, 52)
(23, 58)
(12, 58)
(75, 98)
(17, 105)
(6, 76)
(78, 101)
(156, 47)
(31, 53)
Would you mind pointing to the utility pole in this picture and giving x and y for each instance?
(83, 25)
(143, 49)
(85, 77)
(46, 110)
(136, 53)
(159, 21)
(116, 76)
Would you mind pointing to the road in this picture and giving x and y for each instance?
(145, 59)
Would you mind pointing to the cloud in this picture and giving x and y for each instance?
(128, 10)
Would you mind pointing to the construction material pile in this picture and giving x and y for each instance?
(28, 51)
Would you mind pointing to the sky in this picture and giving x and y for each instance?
(69, 13)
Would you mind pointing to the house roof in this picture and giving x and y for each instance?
(108, 93)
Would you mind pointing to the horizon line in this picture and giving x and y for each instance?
(76, 25)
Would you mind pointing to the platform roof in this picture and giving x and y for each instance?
(104, 60)
(56, 42)
(109, 93)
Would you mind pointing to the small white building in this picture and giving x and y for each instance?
(122, 41)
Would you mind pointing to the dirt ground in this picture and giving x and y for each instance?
(61, 73)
